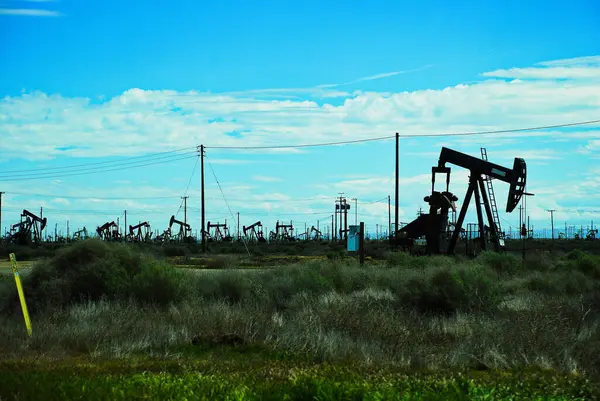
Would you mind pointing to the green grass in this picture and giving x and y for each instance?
(278, 380)
(114, 305)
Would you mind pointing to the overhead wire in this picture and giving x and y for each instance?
(225, 199)
(413, 135)
(187, 187)
(96, 172)
(151, 155)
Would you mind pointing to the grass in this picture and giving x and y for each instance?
(512, 329)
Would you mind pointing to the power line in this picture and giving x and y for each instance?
(151, 155)
(227, 203)
(89, 197)
(98, 171)
(167, 158)
(188, 187)
(503, 131)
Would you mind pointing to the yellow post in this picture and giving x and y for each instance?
(13, 259)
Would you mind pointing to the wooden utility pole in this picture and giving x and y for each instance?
(390, 218)
(332, 227)
(185, 198)
(397, 186)
(202, 196)
(125, 234)
(1, 213)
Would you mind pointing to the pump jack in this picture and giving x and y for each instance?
(184, 229)
(434, 225)
(140, 236)
(219, 235)
(255, 235)
(28, 230)
(317, 235)
(283, 232)
(105, 232)
(77, 234)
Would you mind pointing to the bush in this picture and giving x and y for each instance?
(500, 262)
(93, 269)
(586, 263)
(446, 291)
(174, 250)
(157, 283)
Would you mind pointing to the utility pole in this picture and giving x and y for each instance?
(520, 220)
(346, 207)
(185, 198)
(202, 196)
(332, 227)
(1, 212)
(390, 218)
(397, 184)
(125, 234)
(552, 222)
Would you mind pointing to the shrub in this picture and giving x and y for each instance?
(500, 262)
(174, 250)
(157, 283)
(93, 269)
(446, 291)
(584, 262)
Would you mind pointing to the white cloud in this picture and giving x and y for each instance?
(573, 68)
(576, 61)
(376, 76)
(146, 121)
(264, 178)
(546, 73)
(29, 12)
(61, 201)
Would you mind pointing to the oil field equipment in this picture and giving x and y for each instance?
(140, 232)
(81, 234)
(317, 233)
(254, 232)
(185, 230)
(283, 232)
(218, 234)
(109, 231)
(28, 230)
(434, 225)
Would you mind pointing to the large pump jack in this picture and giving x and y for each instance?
(105, 233)
(137, 235)
(28, 230)
(434, 225)
(283, 232)
(218, 235)
(253, 233)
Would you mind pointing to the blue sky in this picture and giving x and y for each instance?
(99, 82)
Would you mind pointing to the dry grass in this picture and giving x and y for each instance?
(489, 313)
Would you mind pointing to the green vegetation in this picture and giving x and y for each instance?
(309, 326)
